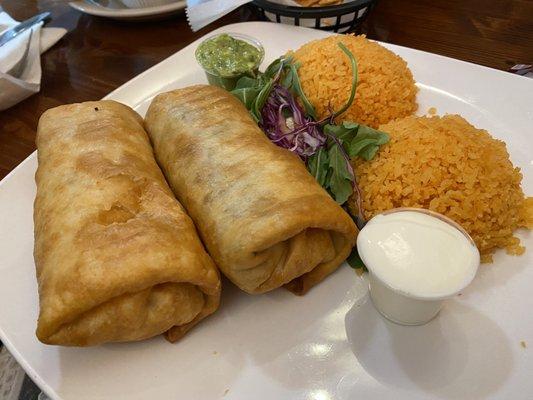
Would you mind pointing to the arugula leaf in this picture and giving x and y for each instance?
(273, 68)
(253, 92)
(380, 135)
(246, 95)
(344, 132)
(366, 143)
(369, 152)
(354, 80)
(355, 261)
(246, 82)
(350, 125)
(287, 80)
(318, 165)
(340, 182)
(365, 148)
(359, 143)
(309, 109)
(260, 100)
(277, 66)
(247, 89)
(358, 140)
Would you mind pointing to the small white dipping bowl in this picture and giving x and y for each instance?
(401, 287)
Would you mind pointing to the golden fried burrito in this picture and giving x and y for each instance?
(263, 218)
(117, 257)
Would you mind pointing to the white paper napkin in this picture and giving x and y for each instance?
(14, 90)
(203, 12)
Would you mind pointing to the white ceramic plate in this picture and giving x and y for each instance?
(329, 344)
(115, 9)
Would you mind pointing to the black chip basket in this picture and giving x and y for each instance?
(345, 17)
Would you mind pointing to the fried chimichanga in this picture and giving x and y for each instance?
(263, 218)
(117, 257)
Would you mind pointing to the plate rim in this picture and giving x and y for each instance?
(43, 385)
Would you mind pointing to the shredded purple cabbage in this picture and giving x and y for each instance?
(285, 124)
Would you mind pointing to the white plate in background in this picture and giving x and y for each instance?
(116, 10)
(329, 344)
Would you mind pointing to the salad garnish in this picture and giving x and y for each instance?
(276, 101)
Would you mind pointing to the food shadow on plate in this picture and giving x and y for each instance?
(461, 348)
(292, 339)
(505, 268)
(300, 342)
(162, 367)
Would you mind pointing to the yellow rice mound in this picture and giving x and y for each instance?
(446, 165)
(385, 87)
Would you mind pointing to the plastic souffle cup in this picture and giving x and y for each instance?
(229, 81)
(409, 304)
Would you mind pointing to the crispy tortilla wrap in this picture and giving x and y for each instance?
(117, 257)
(263, 218)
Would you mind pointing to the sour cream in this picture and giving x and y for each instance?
(417, 255)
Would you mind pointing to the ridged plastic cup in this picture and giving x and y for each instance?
(228, 82)
(406, 308)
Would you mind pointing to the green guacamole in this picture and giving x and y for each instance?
(228, 57)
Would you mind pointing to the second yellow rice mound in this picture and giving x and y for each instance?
(385, 87)
(447, 165)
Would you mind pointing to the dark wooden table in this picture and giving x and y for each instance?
(98, 55)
